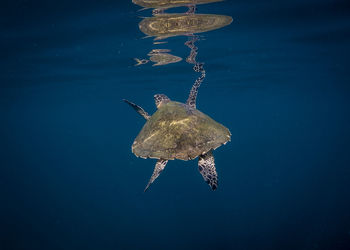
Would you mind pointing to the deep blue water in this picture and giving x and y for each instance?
(277, 77)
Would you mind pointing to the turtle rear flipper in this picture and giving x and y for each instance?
(138, 109)
(160, 165)
(206, 166)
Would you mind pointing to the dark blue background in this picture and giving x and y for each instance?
(277, 77)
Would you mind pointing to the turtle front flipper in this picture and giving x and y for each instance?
(138, 109)
(160, 165)
(206, 166)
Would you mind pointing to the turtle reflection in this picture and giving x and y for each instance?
(159, 57)
(170, 3)
(167, 25)
(157, 51)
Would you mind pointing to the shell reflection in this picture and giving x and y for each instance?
(170, 3)
(157, 51)
(159, 57)
(164, 58)
(167, 25)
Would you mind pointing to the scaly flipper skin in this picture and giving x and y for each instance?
(206, 166)
(191, 101)
(160, 165)
(138, 109)
(161, 99)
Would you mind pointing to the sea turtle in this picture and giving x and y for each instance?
(168, 25)
(180, 131)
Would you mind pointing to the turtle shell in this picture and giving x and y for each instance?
(177, 131)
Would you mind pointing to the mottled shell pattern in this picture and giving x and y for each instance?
(177, 131)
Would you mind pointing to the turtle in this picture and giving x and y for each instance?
(180, 131)
(168, 25)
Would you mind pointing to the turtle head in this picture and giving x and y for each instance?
(161, 99)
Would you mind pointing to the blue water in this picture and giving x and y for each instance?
(277, 77)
